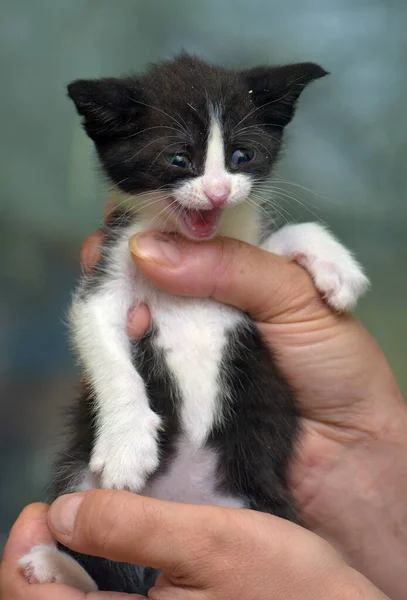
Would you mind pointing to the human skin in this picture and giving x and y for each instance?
(348, 476)
(204, 552)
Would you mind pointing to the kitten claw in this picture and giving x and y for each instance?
(336, 274)
(47, 564)
(129, 464)
(341, 286)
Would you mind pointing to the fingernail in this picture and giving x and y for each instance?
(62, 514)
(156, 247)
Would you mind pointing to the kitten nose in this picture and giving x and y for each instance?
(217, 194)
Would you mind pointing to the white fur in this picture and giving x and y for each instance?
(216, 181)
(120, 458)
(241, 222)
(336, 273)
(216, 178)
(192, 333)
(46, 564)
(191, 478)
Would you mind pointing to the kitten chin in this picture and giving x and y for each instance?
(153, 209)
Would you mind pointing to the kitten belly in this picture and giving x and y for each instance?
(191, 335)
(191, 478)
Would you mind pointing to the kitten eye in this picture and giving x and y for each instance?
(182, 161)
(240, 156)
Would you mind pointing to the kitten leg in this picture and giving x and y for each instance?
(126, 449)
(47, 564)
(336, 274)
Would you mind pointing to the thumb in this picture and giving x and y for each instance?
(29, 530)
(267, 286)
(124, 527)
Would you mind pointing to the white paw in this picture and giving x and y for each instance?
(47, 564)
(125, 461)
(336, 274)
(341, 284)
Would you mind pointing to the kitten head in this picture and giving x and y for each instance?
(187, 140)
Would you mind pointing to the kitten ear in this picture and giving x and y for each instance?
(275, 90)
(109, 106)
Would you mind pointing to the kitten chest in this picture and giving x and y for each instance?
(192, 335)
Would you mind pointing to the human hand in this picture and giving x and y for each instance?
(352, 459)
(203, 552)
(31, 529)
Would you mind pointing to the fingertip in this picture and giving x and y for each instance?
(109, 207)
(138, 321)
(90, 251)
(29, 530)
(35, 511)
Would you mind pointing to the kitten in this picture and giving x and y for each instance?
(198, 410)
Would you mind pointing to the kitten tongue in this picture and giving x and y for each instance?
(202, 223)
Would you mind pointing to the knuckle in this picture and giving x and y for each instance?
(235, 260)
(224, 266)
(297, 295)
(98, 517)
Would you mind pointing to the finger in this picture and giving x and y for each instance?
(53, 591)
(112, 596)
(125, 527)
(31, 529)
(138, 321)
(265, 285)
(90, 251)
(108, 212)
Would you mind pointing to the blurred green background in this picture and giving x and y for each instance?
(345, 161)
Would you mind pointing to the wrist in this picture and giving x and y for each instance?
(359, 502)
(358, 586)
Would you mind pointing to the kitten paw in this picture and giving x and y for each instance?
(340, 284)
(47, 564)
(336, 274)
(126, 461)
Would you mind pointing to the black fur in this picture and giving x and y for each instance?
(254, 443)
(129, 120)
(117, 222)
(164, 398)
(138, 122)
(256, 438)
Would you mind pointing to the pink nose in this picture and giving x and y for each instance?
(218, 195)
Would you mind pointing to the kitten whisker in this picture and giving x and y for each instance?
(251, 140)
(160, 153)
(271, 180)
(134, 198)
(161, 211)
(162, 112)
(278, 209)
(153, 141)
(284, 196)
(320, 195)
(182, 133)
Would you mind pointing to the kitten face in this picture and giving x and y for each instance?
(198, 137)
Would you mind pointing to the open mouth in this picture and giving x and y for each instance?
(199, 224)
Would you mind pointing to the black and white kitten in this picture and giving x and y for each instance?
(197, 411)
